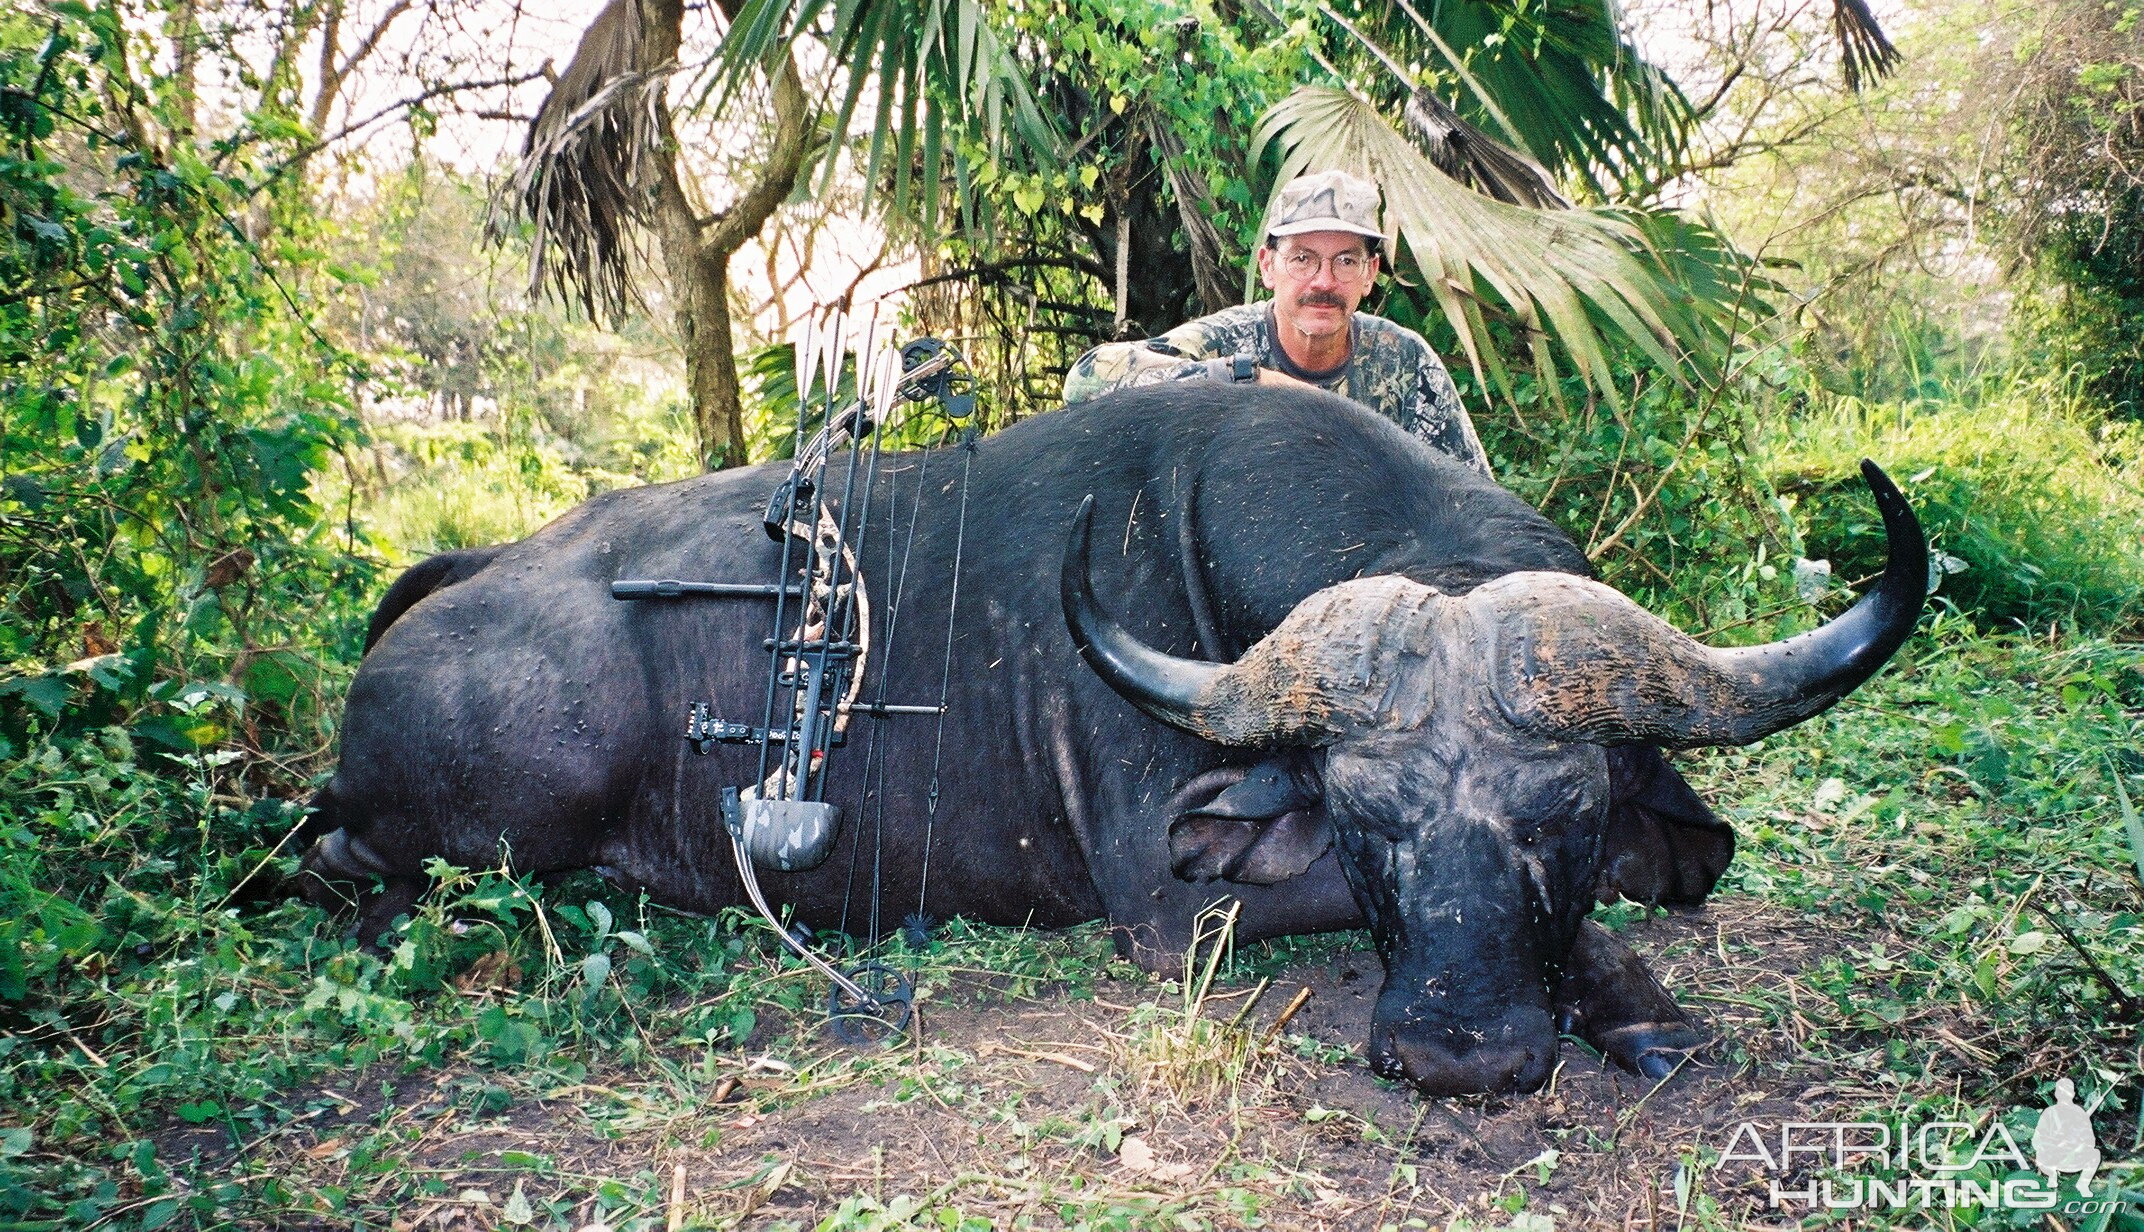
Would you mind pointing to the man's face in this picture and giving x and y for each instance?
(1314, 294)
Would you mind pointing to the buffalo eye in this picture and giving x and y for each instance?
(1553, 805)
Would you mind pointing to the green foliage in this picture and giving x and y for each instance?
(1699, 505)
(1123, 70)
(2033, 499)
(436, 487)
(773, 410)
(942, 70)
(497, 413)
(1657, 487)
(2093, 318)
(2074, 205)
(1973, 809)
(1167, 103)
(1171, 99)
(454, 334)
(1561, 82)
(164, 405)
(465, 490)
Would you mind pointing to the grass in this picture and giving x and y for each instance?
(1959, 841)
(1182, 1053)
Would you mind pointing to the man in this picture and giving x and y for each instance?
(1320, 259)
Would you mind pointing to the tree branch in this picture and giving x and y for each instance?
(330, 39)
(333, 75)
(2130, 1005)
(995, 270)
(351, 129)
(785, 161)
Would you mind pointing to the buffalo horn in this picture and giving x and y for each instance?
(1576, 661)
(1175, 691)
(1324, 670)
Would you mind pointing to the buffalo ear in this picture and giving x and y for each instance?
(1662, 844)
(1208, 849)
(1263, 827)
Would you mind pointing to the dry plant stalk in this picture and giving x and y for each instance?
(1179, 1052)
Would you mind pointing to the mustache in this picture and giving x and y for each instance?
(1320, 299)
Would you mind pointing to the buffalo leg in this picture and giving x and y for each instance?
(379, 907)
(1608, 999)
(340, 871)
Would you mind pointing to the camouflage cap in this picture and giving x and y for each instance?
(1326, 201)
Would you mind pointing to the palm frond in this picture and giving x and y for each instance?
(938, 64)
(581, 180)
(1562, 84)
(1472, 157)
(1459, 149)
(1562, 274)
(1864, 51)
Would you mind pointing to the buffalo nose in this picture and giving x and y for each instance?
(1511, 1056)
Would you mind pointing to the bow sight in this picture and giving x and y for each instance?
(820, 642)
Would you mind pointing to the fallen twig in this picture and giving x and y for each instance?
(1058, 1057)
(2130, 1005)
(1294, 1007)
(1249, 1005)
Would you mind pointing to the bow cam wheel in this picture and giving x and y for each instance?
(875, 1023)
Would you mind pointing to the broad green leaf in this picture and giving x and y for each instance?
(47, 693)
(595, 970)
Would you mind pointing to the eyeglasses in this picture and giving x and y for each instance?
(1303, 264)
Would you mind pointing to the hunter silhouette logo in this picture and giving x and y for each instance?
(2063, 1141)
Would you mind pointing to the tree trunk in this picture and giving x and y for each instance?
(696, 253)
(1167, 290)
(186, 67)
(699, 281)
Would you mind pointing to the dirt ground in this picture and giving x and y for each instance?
(1053, 1111)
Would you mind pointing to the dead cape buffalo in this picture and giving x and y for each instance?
(1324, 664)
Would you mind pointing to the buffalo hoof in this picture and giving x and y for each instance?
(1609, 1000)
(339, 872)
(378, 910)
(1653, 1050)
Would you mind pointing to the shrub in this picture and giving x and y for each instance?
(1660, 491)
(164, 405)
(2034, 502)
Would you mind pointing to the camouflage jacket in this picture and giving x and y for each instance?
(1389, 369)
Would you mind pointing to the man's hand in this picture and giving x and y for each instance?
(1272, 377)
